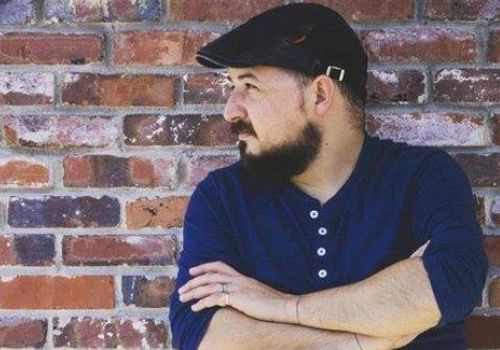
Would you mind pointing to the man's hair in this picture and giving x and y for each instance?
(356, 104)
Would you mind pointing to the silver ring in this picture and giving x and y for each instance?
(224, 287)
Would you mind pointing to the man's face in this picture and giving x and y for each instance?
(266, 110)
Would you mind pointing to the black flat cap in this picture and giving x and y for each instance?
(309, 38)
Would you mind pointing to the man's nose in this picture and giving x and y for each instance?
(234, 110)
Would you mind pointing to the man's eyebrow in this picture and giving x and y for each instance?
(243, 76)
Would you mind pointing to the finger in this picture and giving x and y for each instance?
(200, 292)
(210, 301)
(205, 279)
(216, 266)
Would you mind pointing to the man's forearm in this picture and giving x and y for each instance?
(230, 329)
(395, 301)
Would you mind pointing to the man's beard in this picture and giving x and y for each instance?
(280, 163)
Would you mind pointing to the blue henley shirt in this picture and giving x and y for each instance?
(397, 197)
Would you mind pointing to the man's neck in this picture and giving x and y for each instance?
(332, 167)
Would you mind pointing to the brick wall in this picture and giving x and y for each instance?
(108, 124)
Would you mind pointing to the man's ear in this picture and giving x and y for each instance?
(324, 89)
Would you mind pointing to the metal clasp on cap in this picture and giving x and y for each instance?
(341, 74)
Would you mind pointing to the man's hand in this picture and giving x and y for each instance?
(247, 295)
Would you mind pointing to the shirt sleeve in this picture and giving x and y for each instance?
(443, 212)
(206, 239)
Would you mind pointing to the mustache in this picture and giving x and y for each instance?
(240, 126)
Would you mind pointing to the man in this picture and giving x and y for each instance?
(307, 241)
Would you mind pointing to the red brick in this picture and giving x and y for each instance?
(482, 332)
(198, 167)
(148, 130)
(49, 292)
(496, 128)
(218, 10)
(206, 88)
(494, 292)
(482, 170)
(26, 88)
(419, 45)
(492, 249)
(101, 11)
(59, 132)
(157, 47)
(118, 250)
(111, 171)
(23, 172)
(42, 48)
(118, 90)
(402, 87)
(147, 292)
(467, 86)
(495, 212)
(430, 129)
(369, 10)
(463, 10)
(16, 332)
(494, 46)
(161, 212)
(7, 251)
(87, 332)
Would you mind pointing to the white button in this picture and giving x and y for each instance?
(322, 231)
(321, 251)
(314, 214)
(322, 273)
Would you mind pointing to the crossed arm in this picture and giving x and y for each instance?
(372, 308)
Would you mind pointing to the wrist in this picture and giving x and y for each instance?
(289, 309)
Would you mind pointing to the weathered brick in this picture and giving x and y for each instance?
(198, 167)
(53, 211)
(218, 10)
(430, 129)
(148, 130)
(479, 202)
(402, 87)
(143, 291)
(68, 11)
(56, 292)
(470, 86)
(463, 10)
(157, 47)
(206, 88)
(494, 292)
(34, 250)
(419, 45)
(195, 40)
(494, 217)
(16, 332)
(26, 88)
(87, 332)
(494, 46)
(111, 171)
(118, 90)
(23, 172)
(119, 250)
(370, 10)
(481, 332)
(61, 132)
(482, 170)
(43, 48)
(17, 12)
(492, 249)
(162, 212)
(7, 251)
(496, 128)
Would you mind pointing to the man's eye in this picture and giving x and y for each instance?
(250, 86)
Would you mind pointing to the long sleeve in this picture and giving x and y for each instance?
(443, 211)
(206, 239)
